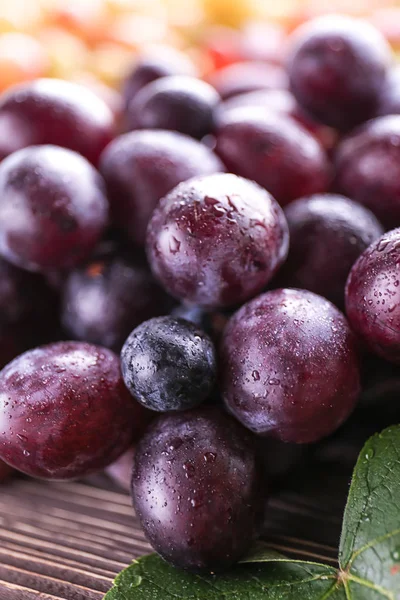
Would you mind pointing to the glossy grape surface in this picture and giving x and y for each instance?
(368, 168)
(106, 298)
(152, 66)
(327, 235)
(337, 67)
(283, 102)
(217, 240)
(389, 100)
(373, 296)
(141, 167)
(53, 111)
(169, 364)
(64, 411)
(243, 77)
(183, 104)
(196, 489)
(273, 150)
(289, 366)
(53, 208)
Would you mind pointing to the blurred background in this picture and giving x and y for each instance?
(96, 42)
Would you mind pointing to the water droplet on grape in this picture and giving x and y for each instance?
(210, 457)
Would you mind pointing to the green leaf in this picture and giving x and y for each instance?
(370, 544)
(369, 551)
(268, 576)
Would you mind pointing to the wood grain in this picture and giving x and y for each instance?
(67, 541)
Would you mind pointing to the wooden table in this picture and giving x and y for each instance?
(67, 541)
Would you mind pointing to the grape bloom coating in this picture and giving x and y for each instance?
(217, 240)
(289, 366)
(64, 411)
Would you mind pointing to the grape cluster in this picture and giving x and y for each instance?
(188, 303)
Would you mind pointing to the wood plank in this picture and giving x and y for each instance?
(67, 541)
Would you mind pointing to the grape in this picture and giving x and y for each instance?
(242, 77)
(196, 489)
(168, 364)
(283, 102)
(53, 208)
(373, 295)
(289, 366)
(327, 235)
(154, 65)
(64, 411)
(212, 322)
(107, 297)
(143, 166)
(121, 470)
(178, 103)
(389, 100)
(337, 67)
(52, 111)
(217, 240)
(273, 150)
(368, 168)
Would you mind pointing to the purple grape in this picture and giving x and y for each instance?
(53, 208)
(283, 102)
(53, 111)
(196, 489)
(216, 241)
(368, 168)
(184, 104)
(141, 167)
(65, 411)
(273, 150)
(242, 77)
(290, 366)
(154, 65)
(169, 364)
(373, 296)
(327, 235)
(106, 298)
(389, 100)
(337, 66)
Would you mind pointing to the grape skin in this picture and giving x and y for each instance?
(289, 366)
(65, 412)
(197, 490)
